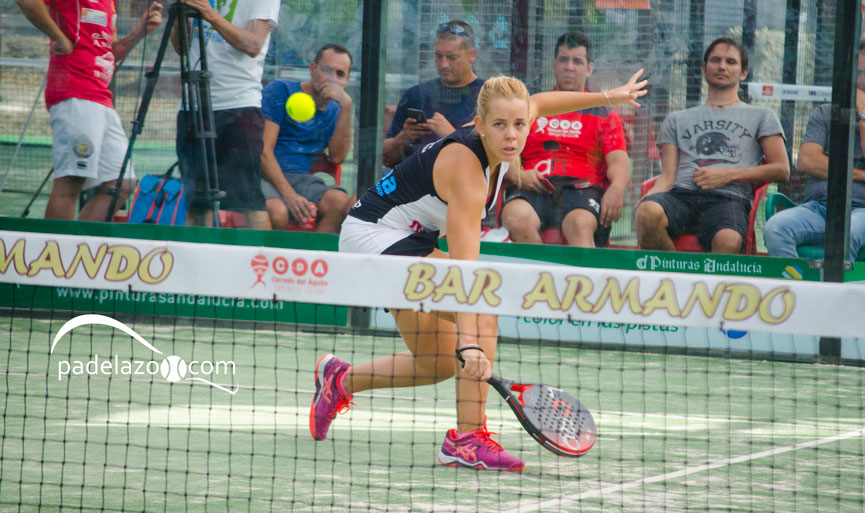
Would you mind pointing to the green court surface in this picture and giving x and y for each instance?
(676, 433)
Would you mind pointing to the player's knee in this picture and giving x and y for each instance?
(436, 367)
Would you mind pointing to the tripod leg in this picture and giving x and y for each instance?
(26, 211)
(200, 111)
(138, 124)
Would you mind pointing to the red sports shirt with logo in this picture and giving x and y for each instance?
(575, 144)
(87, 71)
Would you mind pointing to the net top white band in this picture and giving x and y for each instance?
(536, 290)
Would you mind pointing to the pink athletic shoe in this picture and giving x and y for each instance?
(330, 397)
(477, 450)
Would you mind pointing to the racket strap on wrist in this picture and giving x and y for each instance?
(460, 350)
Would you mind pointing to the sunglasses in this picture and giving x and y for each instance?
(453, 29)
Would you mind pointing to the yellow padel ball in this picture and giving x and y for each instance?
(300, 107)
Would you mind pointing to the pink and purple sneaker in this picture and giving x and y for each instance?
(477, 450)
(330, 396)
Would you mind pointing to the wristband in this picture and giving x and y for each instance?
(459, 351)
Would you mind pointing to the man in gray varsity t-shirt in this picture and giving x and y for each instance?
(711, 156)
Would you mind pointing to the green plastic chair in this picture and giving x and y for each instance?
(777, 202)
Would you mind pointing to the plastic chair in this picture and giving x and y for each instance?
(689, 242)
(777, 202)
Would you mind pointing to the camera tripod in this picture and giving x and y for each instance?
(196, 105)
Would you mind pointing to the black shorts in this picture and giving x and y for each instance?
(417, 244)
(238, 159)
(570, 194)
(702, 213)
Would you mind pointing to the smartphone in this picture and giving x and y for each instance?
(417, 115)
(548, 182)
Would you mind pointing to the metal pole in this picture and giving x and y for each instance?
(371, 136)
(694, 85)
(837, 246)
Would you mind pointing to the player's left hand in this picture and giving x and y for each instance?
(611, 204)
(440, 125)
(335, 92)
(152, 18)
(477, 365)
(711, 177)
(203, 6)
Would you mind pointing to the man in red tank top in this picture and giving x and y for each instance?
(576, 167)
(89, 142)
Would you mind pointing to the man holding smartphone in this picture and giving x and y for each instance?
(576, 167)
(433, 109)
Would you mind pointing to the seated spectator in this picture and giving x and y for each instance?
(290, 147)
(447, 102)
(711, 156)
(806, 223)
(575, 165)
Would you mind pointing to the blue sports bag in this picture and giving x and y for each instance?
(159, 199)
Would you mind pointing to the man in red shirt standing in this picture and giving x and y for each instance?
(89, 141)
(576, 167)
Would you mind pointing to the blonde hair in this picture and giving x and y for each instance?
(501, 87)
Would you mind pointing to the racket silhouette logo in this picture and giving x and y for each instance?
(172, 368)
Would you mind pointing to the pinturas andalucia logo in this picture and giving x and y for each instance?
(172, 368)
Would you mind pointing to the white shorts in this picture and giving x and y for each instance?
(358, 236)
(89, 141)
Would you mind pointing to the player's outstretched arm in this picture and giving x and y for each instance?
(559, 102)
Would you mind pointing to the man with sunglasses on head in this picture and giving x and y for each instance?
(447, 102)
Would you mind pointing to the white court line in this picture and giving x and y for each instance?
(684, 472)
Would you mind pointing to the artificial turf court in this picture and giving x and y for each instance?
(675, 432)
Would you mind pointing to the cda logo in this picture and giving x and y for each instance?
(172, 368)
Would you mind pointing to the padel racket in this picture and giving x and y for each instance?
(555, 419)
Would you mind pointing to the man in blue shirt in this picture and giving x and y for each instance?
(447, 102)
(291, 147)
